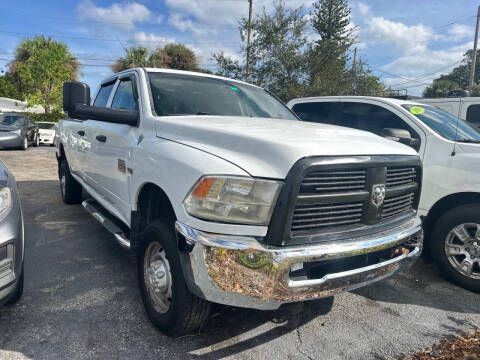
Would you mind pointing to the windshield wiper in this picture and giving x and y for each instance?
(469, 141)
(198, 113)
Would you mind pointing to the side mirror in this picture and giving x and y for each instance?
(76, 102)
(75, 93)
(401, 135)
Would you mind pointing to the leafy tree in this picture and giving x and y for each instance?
(8, 88)
(172, 56)
(40, 68)
(440, 88)
(276, 52)
(328, 56)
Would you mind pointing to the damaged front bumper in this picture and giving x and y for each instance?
(241, 271)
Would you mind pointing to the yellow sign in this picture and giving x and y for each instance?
(417, 110)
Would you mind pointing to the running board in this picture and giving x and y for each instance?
(94, 209)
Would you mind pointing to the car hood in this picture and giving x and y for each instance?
(270, 147)
(46, 131)
(8, 128)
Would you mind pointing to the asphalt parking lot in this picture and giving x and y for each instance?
(81, 300)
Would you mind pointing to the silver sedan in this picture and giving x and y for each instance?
(11, 239)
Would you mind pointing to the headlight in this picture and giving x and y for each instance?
(18, 132)
(5, 199)
(233, 199)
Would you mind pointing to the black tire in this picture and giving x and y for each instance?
(186, 312)
(18, 290)
(36, 142)
(460, 215)
(71, 190)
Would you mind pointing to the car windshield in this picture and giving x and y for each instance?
(13, 120)
(47, 126)
(178, 95)
(445, 124)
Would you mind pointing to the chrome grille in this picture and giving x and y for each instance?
(398, 176)
(332, 181)
(321, 216)
(397, 205)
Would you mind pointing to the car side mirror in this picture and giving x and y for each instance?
(76, 102)
(75, 93)
(401, 135)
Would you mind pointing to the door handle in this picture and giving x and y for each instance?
(101, 138)
(81, 132)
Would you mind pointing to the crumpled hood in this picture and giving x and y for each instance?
(270, 147)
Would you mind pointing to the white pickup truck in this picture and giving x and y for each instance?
(450, 150)
(225, 196)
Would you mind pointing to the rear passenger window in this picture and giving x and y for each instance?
(371, 118)
(320, 112)
(124, 98)
(473, 114)
(103, 95)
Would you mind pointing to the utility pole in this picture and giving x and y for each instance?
(474, 57)
(249, 36)
(354, 63)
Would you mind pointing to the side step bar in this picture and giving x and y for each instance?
(94, 210)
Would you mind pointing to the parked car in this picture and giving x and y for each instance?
(225, 196)
(17, 131)
(11, 239)
(46, 132)
(465, 108)
(450, 149)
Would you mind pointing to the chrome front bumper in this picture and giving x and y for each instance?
(240, 271)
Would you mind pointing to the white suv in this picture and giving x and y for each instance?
(450, 150)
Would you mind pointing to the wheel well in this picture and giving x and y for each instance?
(152, 203)
(446, 203)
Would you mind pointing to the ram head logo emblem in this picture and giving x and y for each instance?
(378, 195)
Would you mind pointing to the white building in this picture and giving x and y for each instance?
(12, 105)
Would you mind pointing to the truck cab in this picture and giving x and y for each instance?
(223, 195)
(450, 151)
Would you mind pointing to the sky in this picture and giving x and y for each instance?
(407, 43)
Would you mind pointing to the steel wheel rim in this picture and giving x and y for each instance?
(158, 277)
(25, 143)
(462, 247)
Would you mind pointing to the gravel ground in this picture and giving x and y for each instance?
(81, 300)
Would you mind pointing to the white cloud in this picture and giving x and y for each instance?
(459, 32)
(183, 23)
(122, 16)
(151, 41)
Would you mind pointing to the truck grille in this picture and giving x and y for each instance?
(397, 205)
(340, 199)
(398, 176)
(328, 182)
(320, 216)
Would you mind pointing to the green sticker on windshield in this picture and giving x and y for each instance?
(234, 88)
(417, 110)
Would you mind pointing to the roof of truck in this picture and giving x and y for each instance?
(397, 102)
(172, 71)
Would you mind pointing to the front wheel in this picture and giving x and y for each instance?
(36, 143)
(24, 145)
(455, 245)
(168, 302)
(71, 190)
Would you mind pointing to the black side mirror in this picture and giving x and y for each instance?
(76, 102)
(401, 135)
(75, 93)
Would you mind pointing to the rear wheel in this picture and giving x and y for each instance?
(168, 302)
(70, 188)
(455, 245)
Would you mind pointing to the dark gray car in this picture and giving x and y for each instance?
(17, 131)
(11, 239)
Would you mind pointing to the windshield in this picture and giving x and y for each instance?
(178, 94)
(444, 124)
(47, 126)
(13, 120)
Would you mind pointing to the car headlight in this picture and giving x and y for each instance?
(233, 199)
(5, 199)
(18, 132)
